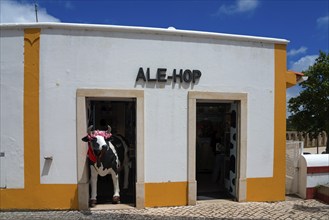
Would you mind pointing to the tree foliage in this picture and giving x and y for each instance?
(310, 110)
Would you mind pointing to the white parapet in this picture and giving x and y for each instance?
(313, 172)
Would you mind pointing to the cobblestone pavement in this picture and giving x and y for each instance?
(219, 209)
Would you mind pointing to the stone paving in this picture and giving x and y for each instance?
(292, 209)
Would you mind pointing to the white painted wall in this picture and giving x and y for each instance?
(72, 59)
(11, 108)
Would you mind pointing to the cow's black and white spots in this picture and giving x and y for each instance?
(108, 154)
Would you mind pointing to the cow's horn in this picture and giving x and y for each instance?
(89, 129)
(109, 129)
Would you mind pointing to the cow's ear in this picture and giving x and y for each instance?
(85, 139)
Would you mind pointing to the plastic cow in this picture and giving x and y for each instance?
(108, 154)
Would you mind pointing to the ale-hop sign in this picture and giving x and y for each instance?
(162, 75)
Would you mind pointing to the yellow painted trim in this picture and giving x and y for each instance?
(31, 107)
(291, 79)
(35, 195)
(165, 194)
(40, 196)
(273, 189)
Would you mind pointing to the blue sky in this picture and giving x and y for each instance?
(304, 23)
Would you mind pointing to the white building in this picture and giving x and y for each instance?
(167, 91)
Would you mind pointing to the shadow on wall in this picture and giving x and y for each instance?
(46, 166)
(74, 201)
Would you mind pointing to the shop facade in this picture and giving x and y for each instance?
(173, 94)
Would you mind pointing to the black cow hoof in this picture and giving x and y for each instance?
(116, 200)
(92, 203)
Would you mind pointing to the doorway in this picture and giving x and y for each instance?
(82, 165)
(241, 101)
(216, 149)
(120, 114)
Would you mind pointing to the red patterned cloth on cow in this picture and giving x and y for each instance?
(91, 154)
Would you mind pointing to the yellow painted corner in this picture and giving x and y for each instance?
(280, 115)
(273, 188)
(165, 194)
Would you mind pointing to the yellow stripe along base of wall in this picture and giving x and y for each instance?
(165, 194)
(40, 197)
(35, 195)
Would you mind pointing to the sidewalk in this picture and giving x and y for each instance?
(293, 208)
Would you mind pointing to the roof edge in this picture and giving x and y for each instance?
(138, 29)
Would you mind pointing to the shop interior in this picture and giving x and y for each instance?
(214, 150)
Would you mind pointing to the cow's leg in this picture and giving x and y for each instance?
(93, 184)
(115, 179)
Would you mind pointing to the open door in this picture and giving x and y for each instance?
(216, 149)
(231, 171)
(120, 114)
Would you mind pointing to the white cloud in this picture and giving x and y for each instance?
(295, 52)
(68, 5)
(293, 91)
(303, 63)
(19, 12)
(240, 6)
(323, 22)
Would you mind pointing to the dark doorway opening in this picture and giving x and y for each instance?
(216, 137)
(120, 114)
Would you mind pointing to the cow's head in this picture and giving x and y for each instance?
(98, 139)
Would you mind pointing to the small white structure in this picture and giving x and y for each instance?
(313, 172)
